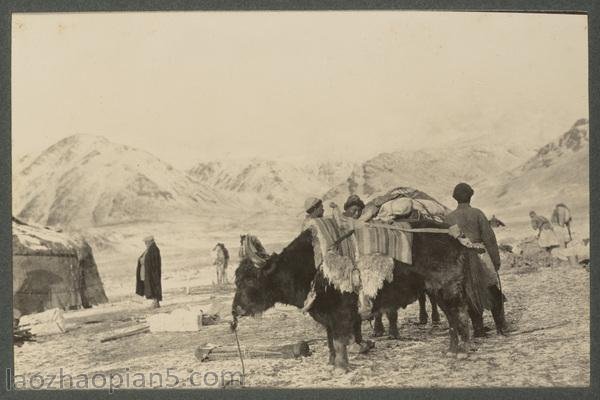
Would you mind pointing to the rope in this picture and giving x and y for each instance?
(424, 206)
(395, 228)
(237, 340)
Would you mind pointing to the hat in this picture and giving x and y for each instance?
(463, 193)
(149, 238)
(311, 203)
(353, 200)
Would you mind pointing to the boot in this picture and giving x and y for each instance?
(155, 303)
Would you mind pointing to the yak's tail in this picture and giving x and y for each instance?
(474, 283)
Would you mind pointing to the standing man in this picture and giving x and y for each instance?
(221, 262)
(353, 208)
(314, 209)
(148, 273)
(561, 217)
(561, 224)
(476, 227)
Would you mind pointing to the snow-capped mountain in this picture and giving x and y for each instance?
(434, 170)
(272, 183)
(86, 180)
(558, 172)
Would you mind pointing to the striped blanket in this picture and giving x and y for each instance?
(393, 243)
(365, 240)
(253, 249)
(369, 251)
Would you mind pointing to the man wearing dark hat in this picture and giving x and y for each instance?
(476, 227)
(314, 207)
(353, 207)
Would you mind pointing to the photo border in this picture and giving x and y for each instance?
(8, 7)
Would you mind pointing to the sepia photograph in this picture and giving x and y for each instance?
(300, 200)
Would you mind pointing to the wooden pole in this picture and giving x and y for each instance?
(137, 331)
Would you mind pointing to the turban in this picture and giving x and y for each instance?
(353, 200)
(311, 203)
(463, 193)
(149, 238)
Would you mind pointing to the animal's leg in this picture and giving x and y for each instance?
(392, 317)
(463, 323)
(422, 309)
(451, 316)
(378, 325)
(357, 330)
(452, 321)
(435, 315)
(330, 345)
(477, 321)
(341, 353)
(364, 345)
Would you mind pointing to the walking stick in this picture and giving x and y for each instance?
(233, 326)
(501, 301)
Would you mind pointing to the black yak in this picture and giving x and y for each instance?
(441, 266)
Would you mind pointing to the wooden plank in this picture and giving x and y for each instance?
(293, 350)
(137, 331)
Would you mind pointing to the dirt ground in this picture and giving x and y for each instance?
(548, 307)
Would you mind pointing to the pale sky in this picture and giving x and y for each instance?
(192, 86)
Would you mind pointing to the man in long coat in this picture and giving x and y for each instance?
(561, 221)
(148, 273)
(476, 227)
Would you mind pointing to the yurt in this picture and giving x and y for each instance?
(52, 270)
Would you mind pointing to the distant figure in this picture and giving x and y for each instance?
(495, 222)
(546, 236)
(476, 227)
(561, 219)
(148, 273)
(221, 262)
(561, 223)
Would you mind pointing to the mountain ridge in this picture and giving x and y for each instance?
(85, 180)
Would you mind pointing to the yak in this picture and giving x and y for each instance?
(441, 266)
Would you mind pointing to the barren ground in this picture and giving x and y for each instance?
(549, 307)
